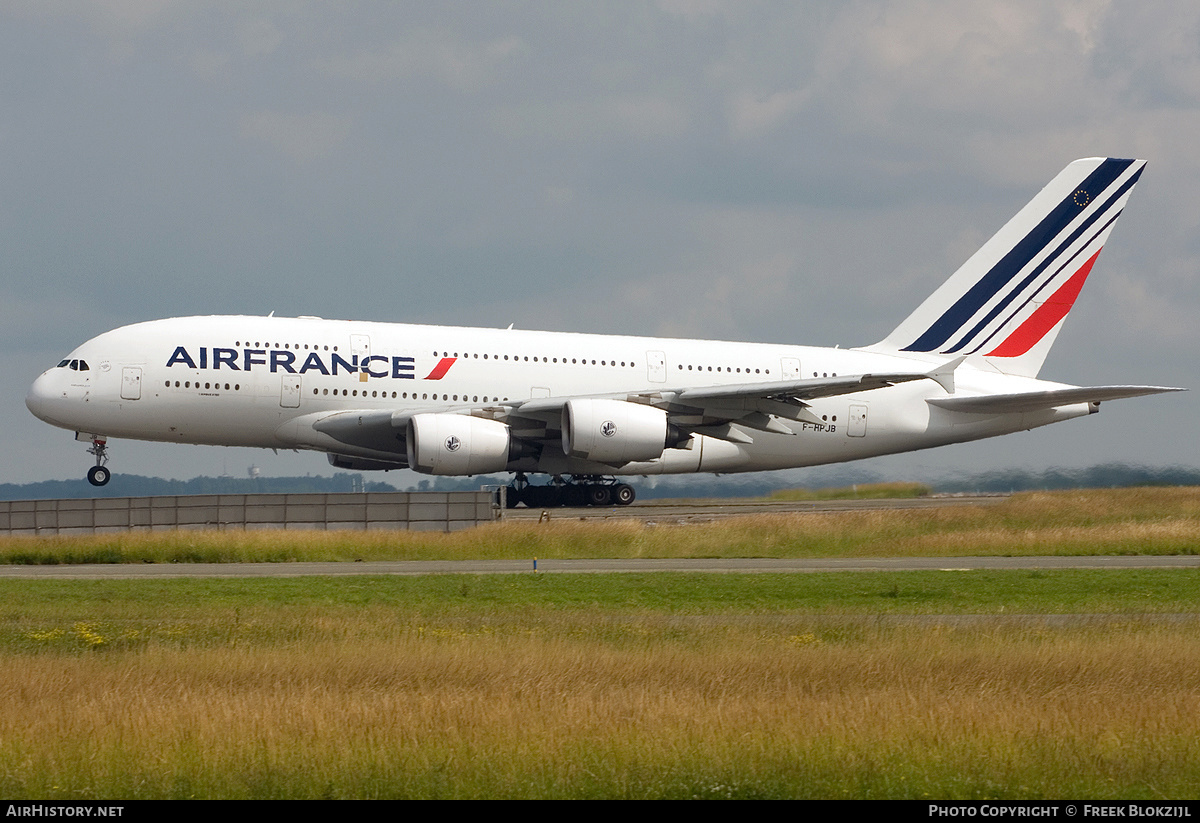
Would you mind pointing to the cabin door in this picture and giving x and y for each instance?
(656, 367)
(858, 421)
(131, 383)
(289, 391)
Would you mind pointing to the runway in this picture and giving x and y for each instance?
(668, 512)
(150, 571)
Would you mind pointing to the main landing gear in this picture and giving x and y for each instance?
(98, 475)
(583, 490)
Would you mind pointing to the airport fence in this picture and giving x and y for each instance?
(413, 511)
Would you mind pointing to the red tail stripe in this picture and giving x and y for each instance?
(1047, 316)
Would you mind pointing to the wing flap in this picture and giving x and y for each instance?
(1035, 401)
(805, 389)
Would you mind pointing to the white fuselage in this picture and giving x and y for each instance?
(265, 382)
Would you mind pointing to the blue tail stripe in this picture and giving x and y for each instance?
(1042, 287)
(1041, 267)
(1017, 258)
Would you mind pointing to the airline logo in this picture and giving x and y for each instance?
(443, 366)
(286, 360)
(1029, 290)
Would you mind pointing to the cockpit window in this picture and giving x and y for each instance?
(73, 365)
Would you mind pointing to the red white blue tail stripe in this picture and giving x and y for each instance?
(1008, 301)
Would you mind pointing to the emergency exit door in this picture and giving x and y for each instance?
(858, 421)
(131, 383)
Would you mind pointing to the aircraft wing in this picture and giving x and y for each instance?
(713, 410)
(1035, 401)
(800, 390)
(710, 410)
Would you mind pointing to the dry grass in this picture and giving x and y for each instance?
(1108, 521)
(862, 491)
(585, 706)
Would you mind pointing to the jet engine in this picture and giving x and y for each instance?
(457, 444)
(616, 432)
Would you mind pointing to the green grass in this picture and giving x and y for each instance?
(59, 602)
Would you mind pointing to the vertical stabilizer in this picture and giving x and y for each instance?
(1004, 307)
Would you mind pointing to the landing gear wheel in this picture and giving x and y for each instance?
(98, 475)
(579, 491)
(598, 495)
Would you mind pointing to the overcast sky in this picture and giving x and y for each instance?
(800, 172)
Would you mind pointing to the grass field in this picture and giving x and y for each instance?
(1153, 520)
(862, 491)
(672, 685)
(983, 684)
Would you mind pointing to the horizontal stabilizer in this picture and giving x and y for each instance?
(1035, 401)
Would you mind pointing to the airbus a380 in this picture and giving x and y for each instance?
(586, 409)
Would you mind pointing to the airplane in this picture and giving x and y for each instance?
(589, 409)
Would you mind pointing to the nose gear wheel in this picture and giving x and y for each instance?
(99, 475)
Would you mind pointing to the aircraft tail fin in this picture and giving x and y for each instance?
(1006, 304)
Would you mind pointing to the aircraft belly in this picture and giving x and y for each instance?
(220, 419)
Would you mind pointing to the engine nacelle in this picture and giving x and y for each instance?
(457, 444)
(616, 432)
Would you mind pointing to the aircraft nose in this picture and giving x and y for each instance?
(43, 395)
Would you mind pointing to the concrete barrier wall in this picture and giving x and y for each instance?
(427, 511)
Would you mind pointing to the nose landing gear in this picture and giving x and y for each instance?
(98, 475)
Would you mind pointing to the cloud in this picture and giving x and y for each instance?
(259, 38)
(211, 65)
(595, 119)
(430, 54)
(121, 23)
(693, 9)
(301, 137)
(751, 114)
